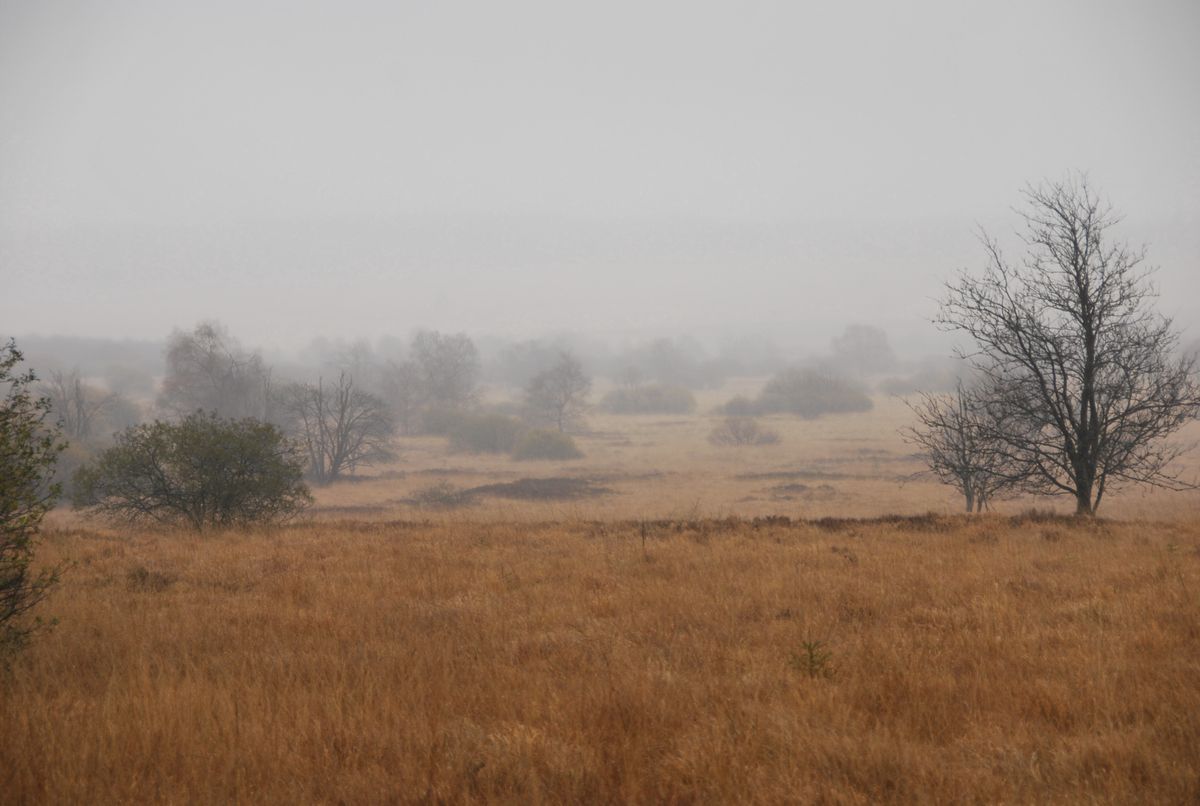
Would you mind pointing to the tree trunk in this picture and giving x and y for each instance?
(1083, 503)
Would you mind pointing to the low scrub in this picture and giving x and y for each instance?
(484, 433)
(808, 393)
(741, 431)
(540, 444)
(652, 398)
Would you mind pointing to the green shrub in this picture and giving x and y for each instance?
(203, 471)
(29, 446)
(485, 433)
(546, 445)
(651, 398)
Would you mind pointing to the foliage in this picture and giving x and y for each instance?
(1083, 377)
(811, 393)
(29, 447)
(863, 349)
(558, 396)
(201, 472)
(652, 398)
(539, 444)
(484, 433)
(738, 431)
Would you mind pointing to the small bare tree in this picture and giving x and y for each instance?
(1086, 377)
(959, 439)
(77, 405)
(558, 396)
(341, 426)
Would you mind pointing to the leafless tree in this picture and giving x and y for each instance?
(208, 371)
(449, 366)
(341, 426)
(958, 438)
(558, 396)
(1084, 375)
(77, 405)
(405, 393)
(863, 349)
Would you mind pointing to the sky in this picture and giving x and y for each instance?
(622, 169)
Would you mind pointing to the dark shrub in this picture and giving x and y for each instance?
(811, 393)
(652, 398)
(201, 472)
(441, 495)
(29, 446)
(485, 433)
(739, 406)
(734, 431)
(546, 445)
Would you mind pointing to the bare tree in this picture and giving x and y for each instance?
(341, 426)
(449, 366)
(77, 405)
(208, 371)
(958, 437)
(405, 393)
(863, 350)
(1081, 369)
(558, 396)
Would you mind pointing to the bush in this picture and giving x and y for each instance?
(735, 431)
(484, 433)
(29, 447)
(811, 393)
(651, 398)
(201, 472)
(739, 406)
(546, 445)
(441, 495)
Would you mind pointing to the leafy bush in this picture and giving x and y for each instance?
(29, 446)
(651, 398)
(539, 444)
(484, 433)
(811, 393)
(735, 431)
(202, 472)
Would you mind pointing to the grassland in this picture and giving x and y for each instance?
(653, 643)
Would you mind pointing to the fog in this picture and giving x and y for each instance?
(617, 171)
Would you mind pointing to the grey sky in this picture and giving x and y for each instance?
(354, 169)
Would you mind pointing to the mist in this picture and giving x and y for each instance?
(621, 172)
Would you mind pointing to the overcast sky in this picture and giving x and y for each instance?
(360, 168)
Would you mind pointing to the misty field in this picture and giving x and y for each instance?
(621, 628)
(931, 659)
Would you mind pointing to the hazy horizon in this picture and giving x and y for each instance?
(625, 171)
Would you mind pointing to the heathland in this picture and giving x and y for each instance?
(663, 620)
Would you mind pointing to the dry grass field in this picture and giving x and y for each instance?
(644, 641)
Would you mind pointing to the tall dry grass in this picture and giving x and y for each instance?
(931, 660)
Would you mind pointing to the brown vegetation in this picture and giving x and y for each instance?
(922, 659)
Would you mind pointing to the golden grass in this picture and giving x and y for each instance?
(977, 660)
(664, 467)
